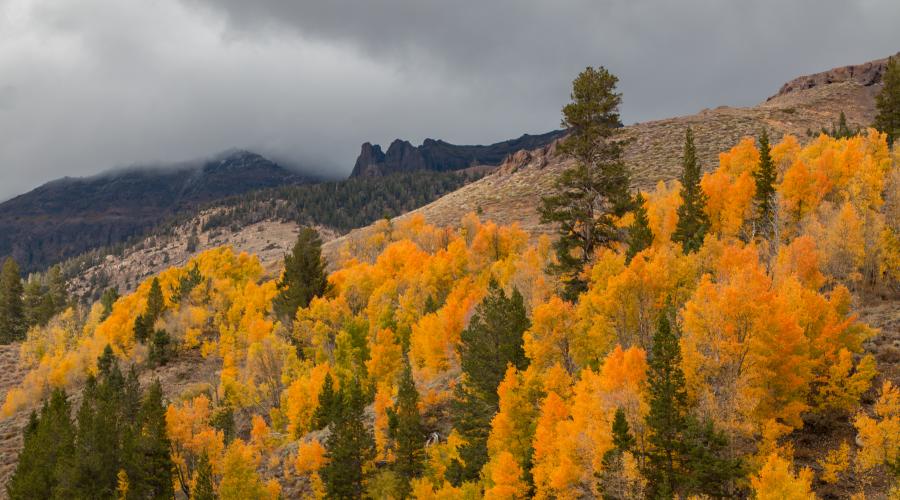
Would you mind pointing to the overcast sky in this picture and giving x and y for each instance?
(87, 85)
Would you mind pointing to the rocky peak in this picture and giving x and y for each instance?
(865, 74)
(369, 157)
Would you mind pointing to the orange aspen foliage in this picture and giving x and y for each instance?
(191, 436)
(662, 210)
(744, 353)
(730, 188)
(505, 478)
(547, 462)
(802, 260)
(434, 338)
(310, 460)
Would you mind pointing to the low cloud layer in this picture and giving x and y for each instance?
(89, 85)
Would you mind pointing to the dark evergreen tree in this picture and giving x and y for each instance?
(223, 420)
(888, 101)
(12, 310)
(349, 447)
(142, 329)
(492, 341)
(693, 221)
(710, 470)
(160, 348)
(666, 419)
(152, 458)
(329, 405)
(304, 275)
(764, 198)
(57, 290)
(639, 234)
(407, 432)
(203, 488)
(155, 302)
(109, 297)
(612, 478)
(187, 283)
(842, 129)
(594, 192)
(34, 303)
(49, 442)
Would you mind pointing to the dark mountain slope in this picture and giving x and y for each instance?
(68, 216)
(441, 156)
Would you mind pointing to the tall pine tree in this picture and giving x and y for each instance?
(407, 432)
(304, 275)
(888, 101)
(764, 198)
(49, 442)
(13, 323)
(666, 418)
(592, 194)
(492, 341)
(693, 221)
(349, 448)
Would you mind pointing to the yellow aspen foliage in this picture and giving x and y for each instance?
(570, 441)
(440, 456)
(512, 429)
(550, 340)
(879, 437)
(240, 479)
(301, 398)
(316, 327)
(385, 361)
(622, 307)
(122, 485)
(835, 463)
(785, 153)
(506, 481)
(777, 481)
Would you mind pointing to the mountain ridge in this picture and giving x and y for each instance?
(68, 216)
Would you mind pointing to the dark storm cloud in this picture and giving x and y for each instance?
(88, 85)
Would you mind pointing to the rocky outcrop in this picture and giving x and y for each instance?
(441, 156)
(866, 74)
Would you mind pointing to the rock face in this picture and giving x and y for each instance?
(866, 74)
(69, 216)
(439, 155)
